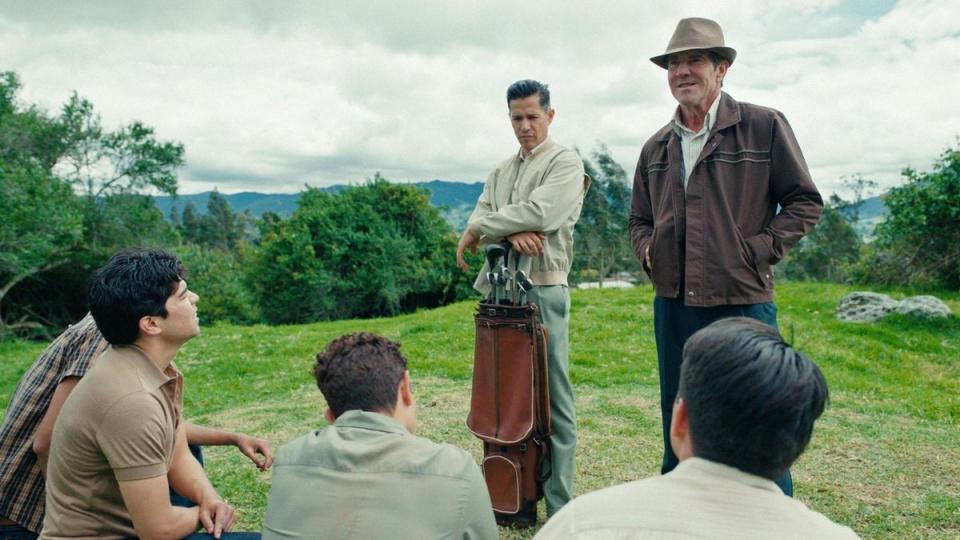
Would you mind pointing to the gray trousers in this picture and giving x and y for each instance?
(557, 471)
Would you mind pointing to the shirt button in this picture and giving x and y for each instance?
(690, 293)
(767, 275)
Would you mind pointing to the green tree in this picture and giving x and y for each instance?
(41, 221)
(190, 226)
(858, 186)
(602, 238)
(828, 251)
(376, 249)
(56, 168)
(112, 167)
(220, 226)
(919, 242)
(129, 160)
(40, 229)
(218, 277)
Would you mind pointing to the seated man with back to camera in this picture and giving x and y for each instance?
(744, 413)
(367, 475)
(119, 442)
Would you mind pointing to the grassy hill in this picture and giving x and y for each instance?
(885, 457)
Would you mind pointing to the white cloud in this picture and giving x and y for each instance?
(271, 96)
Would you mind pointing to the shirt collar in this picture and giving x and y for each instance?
(535, 150)
(150, 375)
(708, 124)
(712, 468)
(357, 418)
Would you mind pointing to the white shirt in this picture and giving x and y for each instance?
(692, 143)
(698, 499)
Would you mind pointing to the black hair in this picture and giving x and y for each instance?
(527, 88)
(360, 371)
(133, 284)
(715, 58)
(751, 398)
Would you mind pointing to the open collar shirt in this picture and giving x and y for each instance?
(692, 143)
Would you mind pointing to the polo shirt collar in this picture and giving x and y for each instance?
(373, 421)
(150, 375)
(719, 470)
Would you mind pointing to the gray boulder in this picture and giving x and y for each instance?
(928, 307)
(863, 306)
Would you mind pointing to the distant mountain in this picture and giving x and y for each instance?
(873, 207)
(283, 204)
(454, 199)
(872, 213)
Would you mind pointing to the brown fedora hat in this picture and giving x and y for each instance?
(696, 34)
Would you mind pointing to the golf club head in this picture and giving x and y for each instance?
(523, 281)
(494, 253)
(504, 276)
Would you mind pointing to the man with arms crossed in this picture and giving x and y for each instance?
(28, 426)
(704, 220)
(119, 442)
(533, 199)
(744, 413)
(367, 475)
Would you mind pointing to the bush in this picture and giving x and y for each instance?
(828, 252)
(921, 237)
(218, 278)
(372, 250)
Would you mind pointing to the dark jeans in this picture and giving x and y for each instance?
(225, 536)
(16, 532)
(179, 500)
(673, 324)
(205, 536)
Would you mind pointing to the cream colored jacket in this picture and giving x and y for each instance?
(542, 192)
(698, 499)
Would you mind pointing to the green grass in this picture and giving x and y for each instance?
(885, 457)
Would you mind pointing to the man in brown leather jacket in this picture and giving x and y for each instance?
(720, 195)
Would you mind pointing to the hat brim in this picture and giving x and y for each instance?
(727, 53)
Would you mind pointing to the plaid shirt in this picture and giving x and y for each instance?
(21, 482)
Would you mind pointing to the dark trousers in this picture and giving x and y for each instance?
(225, 536)
(16, 532)
(177, 499)
(673, 324)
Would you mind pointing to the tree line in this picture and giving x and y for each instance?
(916, 246)
(73, 192)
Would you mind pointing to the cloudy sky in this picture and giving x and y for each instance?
(269, 96)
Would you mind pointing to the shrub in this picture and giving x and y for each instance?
(218, 277)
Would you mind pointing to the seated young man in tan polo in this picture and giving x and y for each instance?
(119, 442)
(30, 417)
(367, 475)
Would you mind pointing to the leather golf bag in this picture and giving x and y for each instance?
(510, 407)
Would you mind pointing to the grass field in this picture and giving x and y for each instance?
(885, 457)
